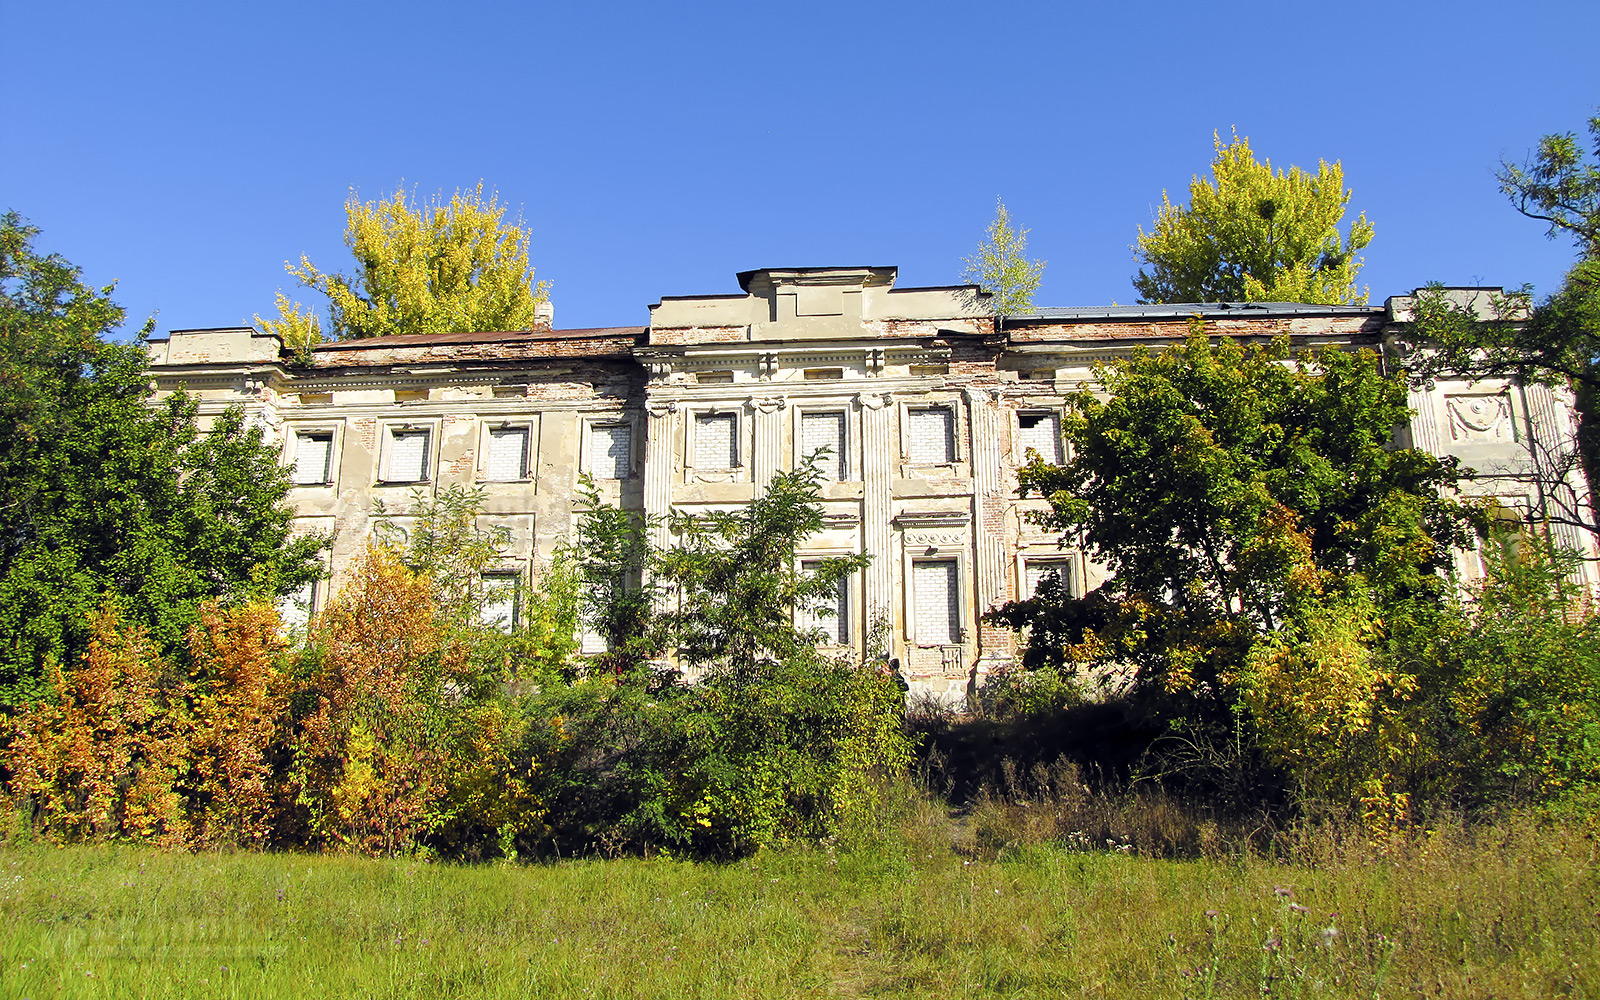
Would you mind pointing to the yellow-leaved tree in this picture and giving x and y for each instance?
(441, 267)
(1250, 234)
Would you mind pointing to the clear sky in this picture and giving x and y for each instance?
(188, 149)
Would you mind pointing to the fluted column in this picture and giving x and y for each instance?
(768, 457)
(659, 448)
(879, 452)
(989, 442)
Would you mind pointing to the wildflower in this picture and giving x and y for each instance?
(1211, 914)
(1279, 890)
(1296, 907)
(1271, 944)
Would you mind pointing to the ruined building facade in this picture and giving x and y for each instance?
(926, 401)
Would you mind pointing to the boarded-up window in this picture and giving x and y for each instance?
(935, 596)
(930, 438)
(590, 638)
(408, 456)
(819, 431)
(611, 451)
(1040, 432)
(313, 456)
(714, 444)
(499, 607)
(508, 454)
(296, 608)
(833, 619)
(1034, 573)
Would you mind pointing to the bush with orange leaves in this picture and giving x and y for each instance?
(132, 749)
(238, 699)
(382, 705)
(101, 762)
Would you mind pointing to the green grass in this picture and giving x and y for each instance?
(1508, 912)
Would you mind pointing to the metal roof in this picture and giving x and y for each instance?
(1183, 310)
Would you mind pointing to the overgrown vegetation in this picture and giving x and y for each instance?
(402, 724)
(106, 498)
(1282, 623)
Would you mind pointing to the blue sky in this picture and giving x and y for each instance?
(187, 150)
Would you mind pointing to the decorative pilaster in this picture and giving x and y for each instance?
(879, 453)
(990, 440)
(768, 458)
(658, 466)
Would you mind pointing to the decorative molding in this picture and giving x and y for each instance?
(874, 400)
(924, 539)
(661, 407)
(1480, 417)
(932, 519)
(771, 404)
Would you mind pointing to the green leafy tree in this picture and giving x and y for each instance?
(1555, 341)
(105, 497)
(1560, 185)
(1254, 235)
(1240, 497)
(1001, 266)
(726, 595)
(452, 267)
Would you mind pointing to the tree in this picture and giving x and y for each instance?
(1001, 266)
(458, 267)
(725, 596)
(1560, 186)
(105, 497)
(1254, 235)
(1245, 500)
(1556, 341)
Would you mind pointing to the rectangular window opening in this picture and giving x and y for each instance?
(822, 435)
(1040, 432)
(709, 378)
(313, 459)
(611, 451)
(936, 600)
(715, 444)
(500, 607)
(408, 456)
(926, 370)
(508, 454)
(297, 608)
(410, 395)
(832, 618)
(1036, 571)
(931, 436)
(314, 398)
(820, 374)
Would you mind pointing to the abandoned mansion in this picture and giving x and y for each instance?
(926, 402)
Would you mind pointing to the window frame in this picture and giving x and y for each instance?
(963, 628)
(430, 456)
(1068, 560)
(847, 459)
(529, 447)
(958, 449)
(292, 451)
(845, 609)
(1019, 453)
(515, 577)
(691, 440)
(591, 424)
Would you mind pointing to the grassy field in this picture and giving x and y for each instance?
(1510, 912)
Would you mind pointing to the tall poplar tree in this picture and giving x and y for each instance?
(440, 267)
(1250, 234)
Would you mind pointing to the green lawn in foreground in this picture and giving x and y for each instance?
(1511, 915)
